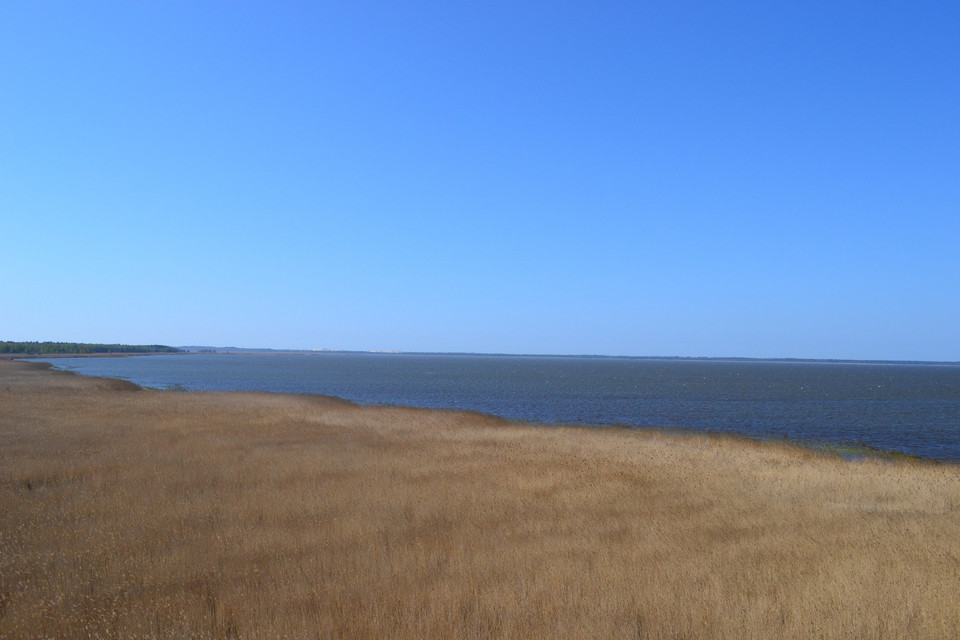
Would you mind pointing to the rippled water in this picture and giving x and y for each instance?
(910, 408)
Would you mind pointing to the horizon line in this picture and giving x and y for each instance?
(234, 349)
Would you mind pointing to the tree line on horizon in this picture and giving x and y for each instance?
(80, 348)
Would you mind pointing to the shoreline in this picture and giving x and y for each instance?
(849, 451)
(322, 352)
(127, 513)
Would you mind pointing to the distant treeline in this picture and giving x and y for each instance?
(81, 348)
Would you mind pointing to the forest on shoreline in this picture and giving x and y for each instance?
(80, 348)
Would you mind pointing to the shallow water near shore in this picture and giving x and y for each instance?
(912, 409)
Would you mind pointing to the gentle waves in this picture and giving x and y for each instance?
(908, 408)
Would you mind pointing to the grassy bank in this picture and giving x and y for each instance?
(138, 514)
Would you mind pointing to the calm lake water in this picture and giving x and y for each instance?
(908, 408)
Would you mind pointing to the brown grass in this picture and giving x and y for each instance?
(142, 514)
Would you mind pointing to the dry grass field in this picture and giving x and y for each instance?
(128, 513)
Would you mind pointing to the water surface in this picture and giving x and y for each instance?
(908, 408)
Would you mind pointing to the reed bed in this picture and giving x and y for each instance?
(128, 513)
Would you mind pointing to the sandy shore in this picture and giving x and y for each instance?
(127, 513)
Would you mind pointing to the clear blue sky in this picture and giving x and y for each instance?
(637, 178)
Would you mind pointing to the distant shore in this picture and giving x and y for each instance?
(131, 513)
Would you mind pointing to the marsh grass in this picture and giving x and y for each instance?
(139, 514)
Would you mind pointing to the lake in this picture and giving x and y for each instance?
(908, 408)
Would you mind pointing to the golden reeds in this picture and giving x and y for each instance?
(143, 514)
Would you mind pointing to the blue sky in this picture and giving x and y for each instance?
(633, 178)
